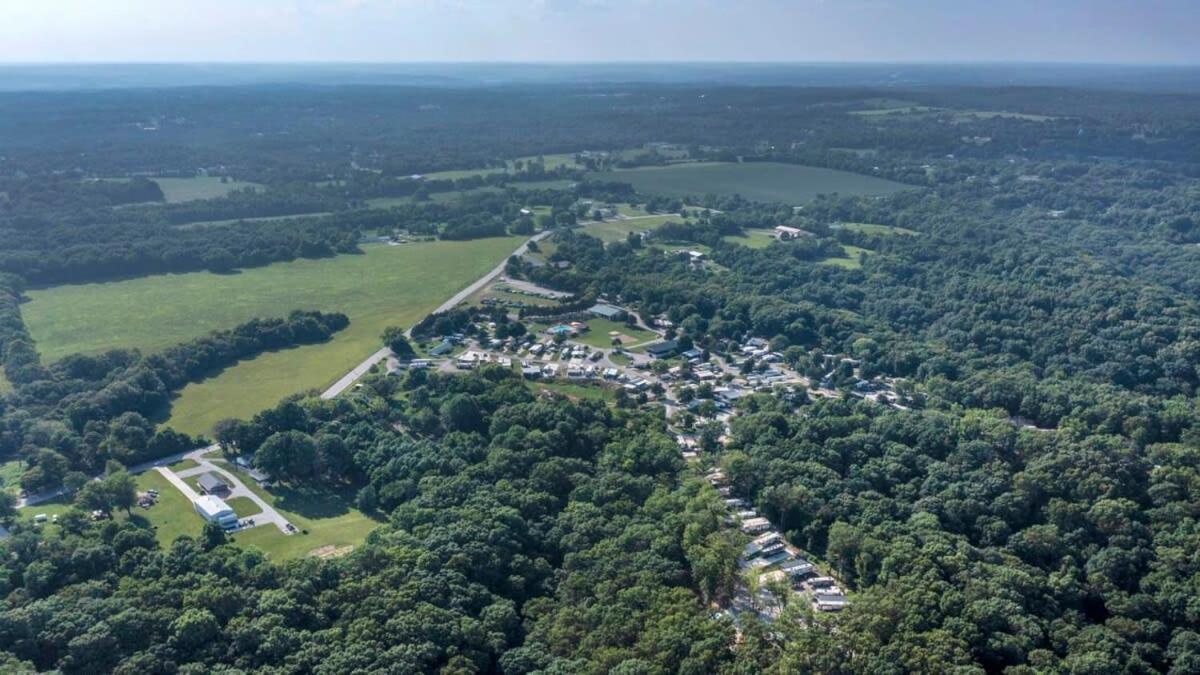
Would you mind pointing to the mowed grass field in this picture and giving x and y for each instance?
(757, 181)
(199, 187)
(618, 230)
(871, 228)
(323, 520)
(752, 238)
(387, 285)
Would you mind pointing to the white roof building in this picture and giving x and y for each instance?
(215, 510)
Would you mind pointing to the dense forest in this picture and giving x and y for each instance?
(1030, 508)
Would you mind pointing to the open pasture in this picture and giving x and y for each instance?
(757, 181)
(199, 187)
(387, 285)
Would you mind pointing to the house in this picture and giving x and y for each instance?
(445, 347)
(692, 354)
(784, 233)
(830, 602)
(729, 395)
(212, 484)
(466, 361)
(531, 372)
(215, 510)
(606, 311)
(755, 525)
(663, 349)
(798, 568)
(561, 264)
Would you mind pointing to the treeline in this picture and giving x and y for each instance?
(60, 193)
(60, 254)
(18, 356)
(526, 534)
(89, 409)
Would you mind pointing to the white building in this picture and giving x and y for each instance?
(215, 510)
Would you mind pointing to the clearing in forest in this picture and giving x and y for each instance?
(199, 187)
(756, 181)
(387, 285)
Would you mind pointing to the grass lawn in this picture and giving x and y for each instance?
(870, 228)
(54, 507)
(752, 238)
(387, 285)
(199, 187)
(10, 475)
(456, 174)
(183, 465)
(173, 516)
(618, 230)
(585, 392)
(620, 359)
(552, 162)
(756, 181)
(598, 336)
(243, 506)
(329, 520)
(5, 385)
(850, 261)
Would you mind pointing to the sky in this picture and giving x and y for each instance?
(1094, 31)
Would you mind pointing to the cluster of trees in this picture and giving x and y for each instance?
(977, 546)
(90, 409)
(532, 535)
(36, 196)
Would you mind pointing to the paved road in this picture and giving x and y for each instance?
(205, 465)
(237, 488)
(363, 368)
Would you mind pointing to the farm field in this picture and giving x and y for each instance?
(386, 285)
(870, 228)
(618, 230)
(758, 181)
(199, 187)
(752, 238)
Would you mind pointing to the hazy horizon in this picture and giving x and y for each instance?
(600, 31)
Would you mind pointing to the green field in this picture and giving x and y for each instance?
(329, 520)
(387, 285)
(752, 238)
(757, 181)
(870, 228)
(199, 187)
(600, 328)
(5, 385)
(173, 516)
(618, 230)
(584, 392)
(850, 261)
(10, 475)
(244, 507)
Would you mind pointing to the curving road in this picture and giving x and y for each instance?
(363, 368)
